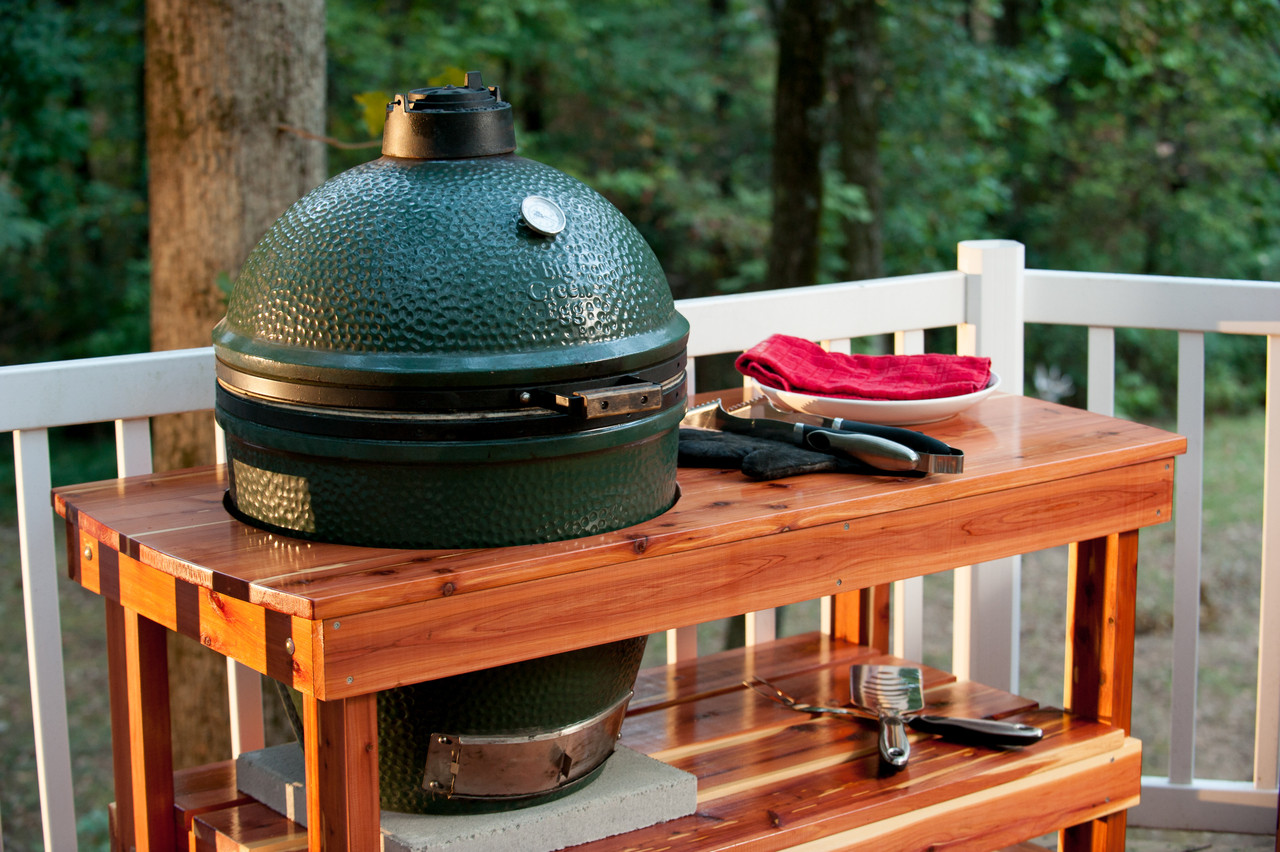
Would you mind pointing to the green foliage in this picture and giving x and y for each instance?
(1130, 135)
(73, 260)
(1164, 159)
(842, 204)
(663, 108)
(93, 831)
(1124, 136)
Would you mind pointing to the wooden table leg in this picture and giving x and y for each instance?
(142, 750)
(343, 812)
(862, 616)
(1101, 606)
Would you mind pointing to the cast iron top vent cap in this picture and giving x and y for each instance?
(449, 123)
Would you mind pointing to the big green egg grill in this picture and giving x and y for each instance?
(452, 346)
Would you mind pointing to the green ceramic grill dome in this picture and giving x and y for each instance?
(452, 346)
(420, 273)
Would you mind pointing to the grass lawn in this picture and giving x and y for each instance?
(1228, 651)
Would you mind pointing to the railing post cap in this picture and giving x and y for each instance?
(990, 244)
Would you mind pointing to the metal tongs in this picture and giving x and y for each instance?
(884, 449)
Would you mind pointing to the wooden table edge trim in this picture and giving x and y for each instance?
(453, 626)
(648, 537)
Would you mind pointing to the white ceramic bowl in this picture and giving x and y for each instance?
(886, 412)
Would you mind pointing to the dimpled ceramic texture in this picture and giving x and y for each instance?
(423, 267)
(419, 274)
(553, 692)
(465, 504)
(404, 275)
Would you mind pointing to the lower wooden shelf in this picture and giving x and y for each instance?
(771, 778)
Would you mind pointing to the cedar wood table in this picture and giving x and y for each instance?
(340, 623)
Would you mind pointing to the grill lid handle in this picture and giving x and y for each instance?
(449, 122)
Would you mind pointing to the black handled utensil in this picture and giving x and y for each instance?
(895, 749)
(896, 695)
(883, 449)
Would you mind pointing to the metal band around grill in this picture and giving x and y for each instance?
(495, 767)
(420, 395)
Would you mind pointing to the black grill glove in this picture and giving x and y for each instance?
(758, 458)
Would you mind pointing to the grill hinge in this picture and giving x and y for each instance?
(628, 398)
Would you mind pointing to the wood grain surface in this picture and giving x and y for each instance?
(770, 778)
(176, 522)
(1037, 475)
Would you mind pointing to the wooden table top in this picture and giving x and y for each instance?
(1036, 474)
(176, 521)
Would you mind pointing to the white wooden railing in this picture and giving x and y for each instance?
(988, 299)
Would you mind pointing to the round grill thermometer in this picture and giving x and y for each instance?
(542, 215)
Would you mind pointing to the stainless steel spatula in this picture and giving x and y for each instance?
(890, 692)
(895, 694)
(982, 732)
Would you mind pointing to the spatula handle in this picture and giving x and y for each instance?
(895, 748)
(977, 731)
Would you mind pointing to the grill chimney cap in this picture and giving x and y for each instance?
(449, 122)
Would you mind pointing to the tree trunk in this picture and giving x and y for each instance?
(856, 77)
(722, 96)
(220, 80)
(797, 144)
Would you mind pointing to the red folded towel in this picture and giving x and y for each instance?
(794, 364)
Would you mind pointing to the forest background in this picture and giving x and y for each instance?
(1127, 135)
(755, 144)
